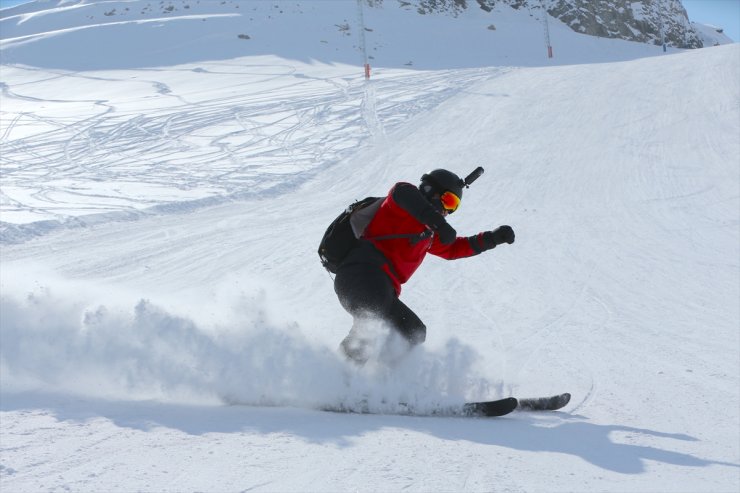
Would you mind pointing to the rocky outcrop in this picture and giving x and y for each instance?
(646, 21)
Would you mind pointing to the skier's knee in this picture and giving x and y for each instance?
(355, 349)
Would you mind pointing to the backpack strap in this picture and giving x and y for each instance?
(413, 238)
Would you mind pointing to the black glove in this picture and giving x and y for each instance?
(502, 234)
(446, 233)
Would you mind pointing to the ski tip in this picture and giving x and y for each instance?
(561, 401)
(552, 403)
(500, 407)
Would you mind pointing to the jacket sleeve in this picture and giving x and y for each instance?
(409, 198)
(460, 248)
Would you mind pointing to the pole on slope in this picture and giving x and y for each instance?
(547, 29)
(362, 39)
(661, 10)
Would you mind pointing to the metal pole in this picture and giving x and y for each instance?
(661, 9)
(547, 30)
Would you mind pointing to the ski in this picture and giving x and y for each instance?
(482, 409)
(500, 407)
(552, 403)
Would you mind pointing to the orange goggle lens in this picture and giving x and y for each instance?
(450, 201)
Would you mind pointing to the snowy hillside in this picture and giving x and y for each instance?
(711, 35)
(86, 35)
(161, 211)
(215, 126)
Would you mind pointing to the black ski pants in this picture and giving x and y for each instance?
(364, 289)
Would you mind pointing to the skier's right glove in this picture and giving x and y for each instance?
(502, 234)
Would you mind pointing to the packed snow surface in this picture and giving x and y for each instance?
(166, 325)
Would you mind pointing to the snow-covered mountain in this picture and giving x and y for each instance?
(413, 33)
(711, 35)
(162, 199)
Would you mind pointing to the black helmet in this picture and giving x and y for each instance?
(440, 181)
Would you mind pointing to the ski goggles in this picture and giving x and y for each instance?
(450, 201)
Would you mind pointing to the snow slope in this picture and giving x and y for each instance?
(195, 278)
(216, 128)
(711, 35)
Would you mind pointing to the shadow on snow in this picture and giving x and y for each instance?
(554, 432)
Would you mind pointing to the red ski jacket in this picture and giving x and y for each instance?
(405, 211)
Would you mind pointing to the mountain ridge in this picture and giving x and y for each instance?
(59, 34)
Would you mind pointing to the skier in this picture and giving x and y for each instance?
(409, 223)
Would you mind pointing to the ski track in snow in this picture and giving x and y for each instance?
(198, 149)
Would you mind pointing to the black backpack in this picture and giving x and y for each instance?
(343, 233)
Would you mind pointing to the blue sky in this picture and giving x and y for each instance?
(721, 13)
